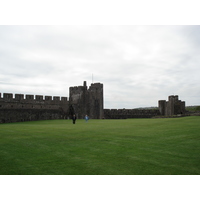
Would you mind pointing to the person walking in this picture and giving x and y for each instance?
(74, 119)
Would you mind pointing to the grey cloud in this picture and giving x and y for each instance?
(138, 65)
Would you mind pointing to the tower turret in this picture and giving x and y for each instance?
(85, 101)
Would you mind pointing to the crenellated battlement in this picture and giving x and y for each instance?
(20, 107)
(24, 107)
(82, 101)
(29, 98)
(21, 101)
(77, 88)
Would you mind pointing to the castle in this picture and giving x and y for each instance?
(172, 107)
(82, 100)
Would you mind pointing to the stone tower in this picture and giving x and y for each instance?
(84, 101)
(173, 106)
(95, 103)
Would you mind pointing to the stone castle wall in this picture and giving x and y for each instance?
(20, 107)
(82, 101)
(165, 108)
(130, 113)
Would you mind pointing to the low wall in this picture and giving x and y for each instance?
(130, 113)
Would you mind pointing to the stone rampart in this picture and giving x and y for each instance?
(20, 107)
(130, 113)
(9, 101)
(82, 101)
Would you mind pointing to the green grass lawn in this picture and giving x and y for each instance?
(124, 147)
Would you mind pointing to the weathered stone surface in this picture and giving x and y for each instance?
(173, 106)
(82, 101)
(86, 101)
(130, 113)
(29, 109)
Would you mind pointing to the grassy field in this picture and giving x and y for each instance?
(101, 147)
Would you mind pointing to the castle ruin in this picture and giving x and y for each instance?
(82, 100)
(173, 106)
(87, 101)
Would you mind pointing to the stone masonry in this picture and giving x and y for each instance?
(18, 108)
(82, 101)
(173, 106)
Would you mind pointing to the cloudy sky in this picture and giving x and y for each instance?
(138, 65)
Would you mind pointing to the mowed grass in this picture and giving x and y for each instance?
(101, 147)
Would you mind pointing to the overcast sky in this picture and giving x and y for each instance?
(138, 65)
